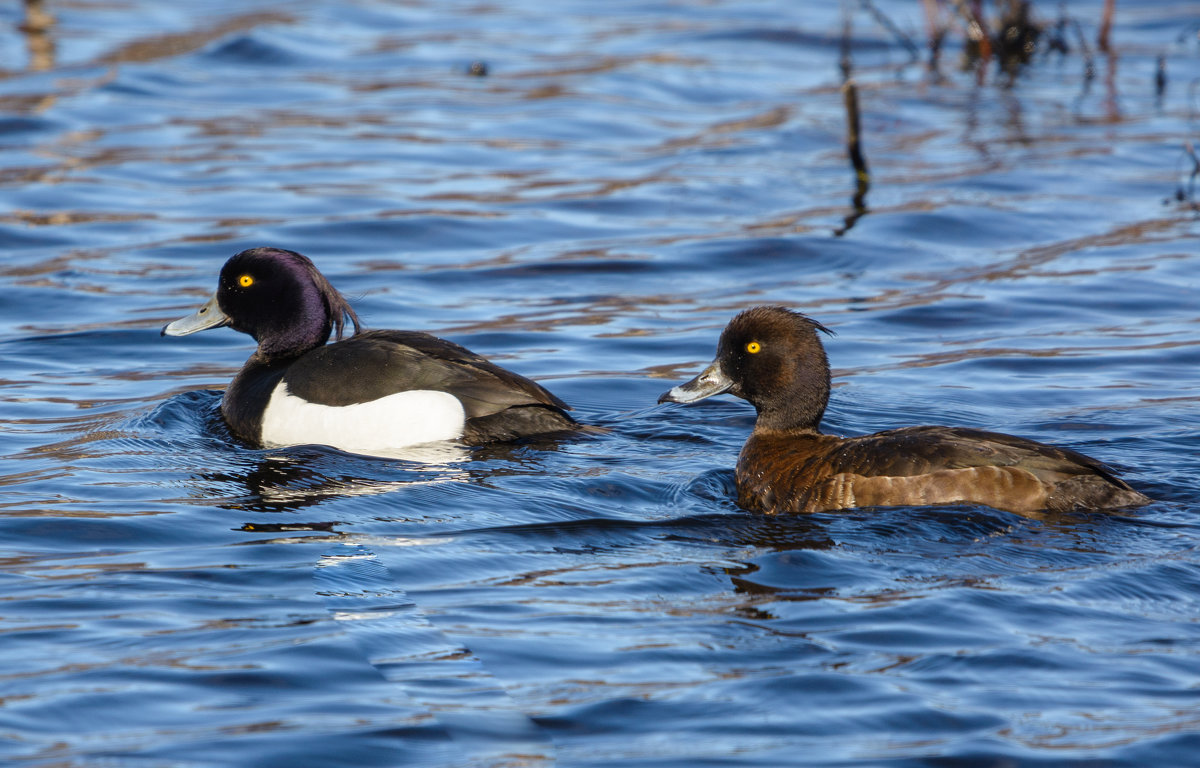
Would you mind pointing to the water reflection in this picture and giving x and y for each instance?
(37, 26)
(292, 479)
(304, 478)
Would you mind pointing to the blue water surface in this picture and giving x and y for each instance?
(589, 209)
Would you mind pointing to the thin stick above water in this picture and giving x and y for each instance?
(1106, 24)
(853, 135)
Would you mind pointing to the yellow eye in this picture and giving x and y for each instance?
(245, 281)
(754, 347)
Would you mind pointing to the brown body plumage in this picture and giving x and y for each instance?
(773, 358)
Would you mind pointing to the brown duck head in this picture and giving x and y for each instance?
(772, 358)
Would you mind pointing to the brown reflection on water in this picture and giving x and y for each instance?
(933, 359)
(534, 84)
(599, 312)
(1086, 729)
(929, 288)
(717, 135)
(166, 46)
(36, 28)
(39, 28)
(541, 189)
(65, 218)
(1025, 264)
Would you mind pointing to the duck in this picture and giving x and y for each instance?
(373, 392)
(773, 358)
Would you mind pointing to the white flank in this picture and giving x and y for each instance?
(378, 428)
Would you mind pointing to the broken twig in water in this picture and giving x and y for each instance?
(1188, 193)
(1089, 64)
(862, 177)
(853, 136)
(882, 19)
(1106, 25)
(979, 40)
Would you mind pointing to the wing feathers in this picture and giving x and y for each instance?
(374, 364)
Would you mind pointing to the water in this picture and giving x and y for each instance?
(590, 213)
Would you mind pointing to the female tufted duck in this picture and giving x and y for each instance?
(374, 392)
(771, 357)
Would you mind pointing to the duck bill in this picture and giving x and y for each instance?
(208, 316)
(711, 381)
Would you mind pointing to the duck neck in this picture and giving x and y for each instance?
(789, 422)
(801, 411)
(291, 342)
(307, 326)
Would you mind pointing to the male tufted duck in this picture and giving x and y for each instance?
(772, 357)
(374, 392)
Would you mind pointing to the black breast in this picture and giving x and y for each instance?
(248, 395)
